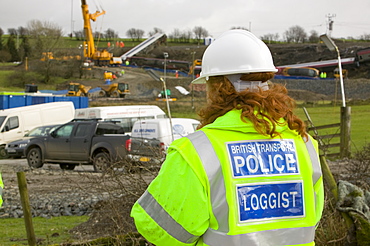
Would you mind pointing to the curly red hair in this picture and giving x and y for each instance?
(263, 108)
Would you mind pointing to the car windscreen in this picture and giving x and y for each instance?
(41, 131)
(2, 118)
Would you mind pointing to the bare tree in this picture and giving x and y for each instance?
(12, 31)
(181, 36)
(295, 34)
(200, 33)
(239, 27)
(186, 36)
(175, 35)
(155, 30)
(135, 34)
(110, 34)
(365, 36)
(270, 37)
(79, 35)
(314, 37)
(22, 31)
(98, 36)
(46, 37)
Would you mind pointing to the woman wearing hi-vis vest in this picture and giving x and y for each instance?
(250, 175)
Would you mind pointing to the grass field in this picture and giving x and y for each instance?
(47, 231)
(320, 115)
(360, 116)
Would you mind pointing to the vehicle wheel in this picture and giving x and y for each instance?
(114, 94)
(101, 162)
(34, 158)
(102, 93)
(3, 153)
(122, 95)
(68, 166)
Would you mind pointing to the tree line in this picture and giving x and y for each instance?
(38, 38)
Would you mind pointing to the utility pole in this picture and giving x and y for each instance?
(72, 18)
(330, 22)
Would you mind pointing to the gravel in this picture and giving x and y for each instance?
(52, 192)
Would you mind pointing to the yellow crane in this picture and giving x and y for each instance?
(99, 58)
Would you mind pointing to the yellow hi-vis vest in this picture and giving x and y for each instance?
(259, 191)
(1, 190)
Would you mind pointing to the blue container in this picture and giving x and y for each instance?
(78, 102)
(84, 102)
(15, 101)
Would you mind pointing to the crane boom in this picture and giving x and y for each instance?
(90, 50)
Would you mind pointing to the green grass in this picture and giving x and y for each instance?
(7, 64)
(360, 116)
(320, 115)
(47, 231)
(3, 78)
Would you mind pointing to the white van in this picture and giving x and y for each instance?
(161, 129)
(16, 122)
(150, 139)
(126, 116)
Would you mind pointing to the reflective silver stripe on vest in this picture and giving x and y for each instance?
(164, 220)
(213, 169)
(317, 173)
(289, 236)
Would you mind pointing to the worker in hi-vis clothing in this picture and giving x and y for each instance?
(1, 191)
(250, 175)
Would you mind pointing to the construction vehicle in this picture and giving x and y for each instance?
(78, 90)
(344, 73)
(114, 90)
(50, 56)
(98, 58)
(195, 68)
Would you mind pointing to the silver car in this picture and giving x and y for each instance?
(16, 148)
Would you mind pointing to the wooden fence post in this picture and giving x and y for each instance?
(345, 132)
(22, 185)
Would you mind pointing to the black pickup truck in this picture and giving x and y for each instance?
(78, 142)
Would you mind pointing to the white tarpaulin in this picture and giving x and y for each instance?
(182, 90)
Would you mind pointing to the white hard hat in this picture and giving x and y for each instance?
(235, 52)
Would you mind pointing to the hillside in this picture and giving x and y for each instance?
(283, 54)
(144, 87)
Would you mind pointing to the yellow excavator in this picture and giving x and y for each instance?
(195, 68)
(78, 90)
(97, 57)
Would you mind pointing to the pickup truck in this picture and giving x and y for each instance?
(78, 142)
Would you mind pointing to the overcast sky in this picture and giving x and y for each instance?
(216, 16)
